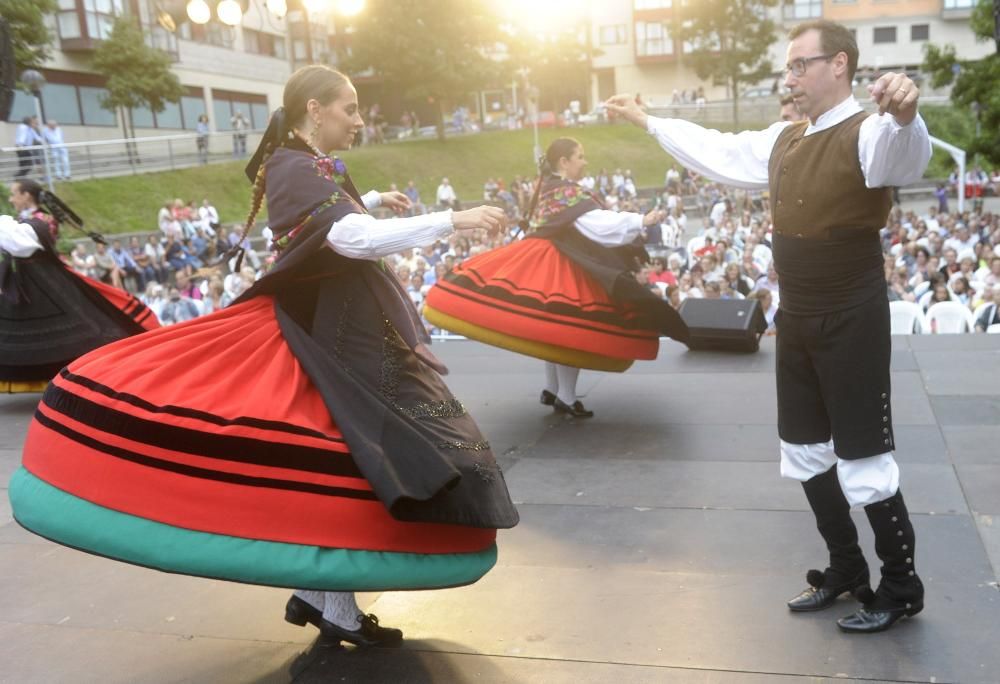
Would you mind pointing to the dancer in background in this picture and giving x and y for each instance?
(322, 450)
(566, 293)
(829, 179)
(49, 313)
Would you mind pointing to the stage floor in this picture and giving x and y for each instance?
(657, 544)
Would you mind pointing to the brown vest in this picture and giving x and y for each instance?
(826, 221)
(817, 188)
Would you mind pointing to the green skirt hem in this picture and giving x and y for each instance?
(69, 520)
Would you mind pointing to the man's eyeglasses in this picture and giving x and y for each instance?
(798, 66)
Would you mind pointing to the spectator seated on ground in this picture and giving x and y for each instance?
(178, 308)
(990, 313)
(127, 266)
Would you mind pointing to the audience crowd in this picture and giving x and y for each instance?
(933, 256)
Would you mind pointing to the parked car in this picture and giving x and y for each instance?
(597, 115)
(757, 93)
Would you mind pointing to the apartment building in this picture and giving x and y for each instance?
(222, 69)
(642, 55)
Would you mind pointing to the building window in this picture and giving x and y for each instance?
(170, 117)
(100, 15)
(60, 103)
(884, 34)
(959, 4)
(260, 43)
(653, 4)
(191, 108)
(616, 34)
(920, 32)
(652, 38)
(68, 20)
(209, 34)
(225, 105)
(802, 9)
(93, 113)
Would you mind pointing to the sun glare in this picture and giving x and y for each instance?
(543, 17)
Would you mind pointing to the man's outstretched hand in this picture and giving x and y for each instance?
(896, 94)
(625, 107)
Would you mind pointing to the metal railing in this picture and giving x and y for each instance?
(122, 156)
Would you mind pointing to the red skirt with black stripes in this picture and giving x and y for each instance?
(212, 430)
(126, 302)
(531, 291)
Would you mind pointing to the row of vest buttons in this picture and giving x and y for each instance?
(798, 202)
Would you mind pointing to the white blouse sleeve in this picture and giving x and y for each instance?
(891, 154)
(610, 228)
(360, 236)
(17, 239)
(372, 199)
(738, 159)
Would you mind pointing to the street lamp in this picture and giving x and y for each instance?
(34, 80)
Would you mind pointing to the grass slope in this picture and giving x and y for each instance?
(130, 203)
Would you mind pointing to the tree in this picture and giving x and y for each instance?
(975, 83)
(137, 75)
(730, 40)
(560, 66)
(427, 49)
(28, 32)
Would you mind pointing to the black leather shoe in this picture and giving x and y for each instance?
(547, 398)
(299, 612)
(368, 634)
(576, 410)
(868, 620)
(820, 595)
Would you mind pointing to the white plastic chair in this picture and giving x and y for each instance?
(949, 318)
(906, 318)
(994, 329)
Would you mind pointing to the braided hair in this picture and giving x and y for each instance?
(314, 82)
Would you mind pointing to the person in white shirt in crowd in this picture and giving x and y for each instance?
(58, 153)
(209, 216)
(617, 181)
(963, 238)
(446, 196)
(588, 182)
(836, 171)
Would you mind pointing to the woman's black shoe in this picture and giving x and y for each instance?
(576, 410)
(368, 634)
(299, 612)
(547, 398)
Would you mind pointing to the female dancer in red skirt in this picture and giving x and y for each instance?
(568, 293)
(322, 451)
(50, 314)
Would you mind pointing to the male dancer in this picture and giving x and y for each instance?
(829, 179)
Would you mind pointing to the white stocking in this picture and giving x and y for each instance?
(551, 381)
(567, 376)
(341, 609)
(313, 598)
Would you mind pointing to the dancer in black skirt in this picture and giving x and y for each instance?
(49, 314)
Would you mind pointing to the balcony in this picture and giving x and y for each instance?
(83, 24)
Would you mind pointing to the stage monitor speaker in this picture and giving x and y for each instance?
(8, 70)
(724, 324)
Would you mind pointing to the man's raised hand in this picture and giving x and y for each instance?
(625, 107)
